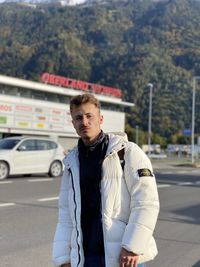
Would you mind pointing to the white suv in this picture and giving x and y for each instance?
(29, 155)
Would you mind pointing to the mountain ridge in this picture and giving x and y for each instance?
(124, 44)
(66, 2)
(62, 2)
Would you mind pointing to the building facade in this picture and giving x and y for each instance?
(42, 108)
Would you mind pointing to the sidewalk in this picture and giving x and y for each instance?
(172, 163)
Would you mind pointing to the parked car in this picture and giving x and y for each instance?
(29, 155)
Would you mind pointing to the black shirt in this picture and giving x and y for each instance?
(91, 158)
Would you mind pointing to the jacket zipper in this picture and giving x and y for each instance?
(101, 207)
(75, 215)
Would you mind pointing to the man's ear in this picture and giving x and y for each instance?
(73, 122)
(101, 119)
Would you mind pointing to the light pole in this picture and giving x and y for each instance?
(150, 85)
(136, 135)
(193, 115)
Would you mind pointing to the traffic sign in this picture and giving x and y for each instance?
(187, 132)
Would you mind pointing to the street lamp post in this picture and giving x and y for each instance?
(137, 135)
(150, 85)
(193, 115)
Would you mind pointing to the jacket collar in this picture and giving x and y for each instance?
(116, 143)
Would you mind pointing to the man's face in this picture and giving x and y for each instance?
(87, 121)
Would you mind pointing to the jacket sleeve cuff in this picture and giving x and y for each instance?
(138, 239)
(59, 260)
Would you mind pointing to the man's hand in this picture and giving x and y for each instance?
(128, 259)
(66, 265)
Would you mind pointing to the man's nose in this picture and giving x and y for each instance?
(85, 121)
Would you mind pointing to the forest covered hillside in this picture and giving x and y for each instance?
(124, 44)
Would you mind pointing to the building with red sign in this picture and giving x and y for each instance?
(42, 108)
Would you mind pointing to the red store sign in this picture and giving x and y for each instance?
(5, 108)
(80, 85)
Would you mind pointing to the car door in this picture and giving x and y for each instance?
(45, 155)
(26, 157)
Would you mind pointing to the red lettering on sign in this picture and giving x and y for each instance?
(57, 112)
(57, 80)
(62, 81)
(80, 85)
(98, 89)
(6, 108)
(73, 84)
(45, 77)
(23, 108)
(52, 79)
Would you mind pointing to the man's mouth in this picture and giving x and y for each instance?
(85, 129)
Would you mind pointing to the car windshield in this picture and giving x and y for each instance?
(8, 143)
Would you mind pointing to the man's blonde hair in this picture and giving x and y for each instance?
(78, 100)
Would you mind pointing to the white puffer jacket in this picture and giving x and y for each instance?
(130, 207)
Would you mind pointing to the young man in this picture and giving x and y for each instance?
(107, 212)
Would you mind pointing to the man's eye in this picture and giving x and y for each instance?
(89, 116)
(78, 118)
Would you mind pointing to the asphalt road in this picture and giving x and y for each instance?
(28, 215)
(178, 230)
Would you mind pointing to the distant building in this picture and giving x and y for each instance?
(42, 108)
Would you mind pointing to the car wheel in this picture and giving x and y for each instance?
(55, 169)
(4, 170)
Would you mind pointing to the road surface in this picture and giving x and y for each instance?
(28, 215)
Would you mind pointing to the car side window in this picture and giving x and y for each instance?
(45, 145)
(52, 145)
(42, 145)
(27, 145)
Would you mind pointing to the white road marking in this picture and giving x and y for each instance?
(40, 180)
(178, 172)
(185, 183)
(166, 172)
(6, 182)
(163, 185)
(7, 204)
(48, 199)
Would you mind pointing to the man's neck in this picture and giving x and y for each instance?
(88, 142)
